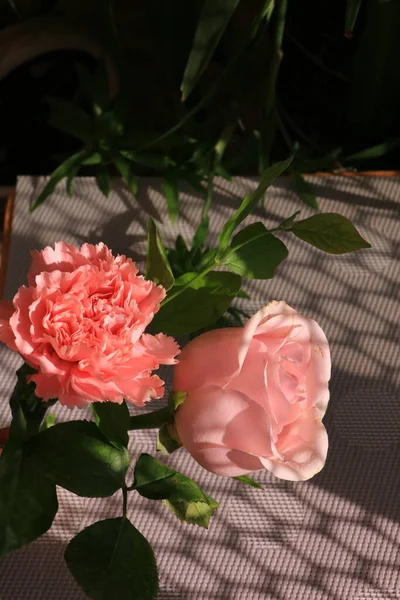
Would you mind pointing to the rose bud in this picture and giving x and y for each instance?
(256, 396)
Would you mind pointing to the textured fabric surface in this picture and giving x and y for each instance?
(335, 537)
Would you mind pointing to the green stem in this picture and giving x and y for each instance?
(182, 288)
(151, 420)
(268, 119)
(210, 189)
(219, 150)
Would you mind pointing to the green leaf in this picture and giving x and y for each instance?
(201, 233)
(157, 265)
(76, 456)
(252, 200)
(71, 119)
(373, 152)
(305, 191)
(327, 162)
(103, 181)
(172, 197)
(180, 247)
(27, 410)
(373, 93)
(194, 513)
(249, 481)
(109, 128)
(93, 158)
(213, 21)
(62, 171)
(352, 10)
(101, 88)
(331, 233)
(95, 86)
(168, 439)
(287, 223)
(201, 301)
(111, 559)
(183, 496)
(28, 502)
(48, 422)
(113, 421)
(222, 172)
(194, 180)
(125, 168)
(147, 160)
(268, 9)
(255, 253)
(70, 179)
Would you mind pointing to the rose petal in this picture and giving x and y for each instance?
(319, 369)
(215, 417)
(210, 358)
(229, 463)
(303, 445)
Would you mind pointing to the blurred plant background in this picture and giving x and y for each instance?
(187, 90)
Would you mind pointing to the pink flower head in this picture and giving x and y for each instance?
(256, 396)
(81, 324)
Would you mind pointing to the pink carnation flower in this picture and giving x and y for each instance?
(81, 324)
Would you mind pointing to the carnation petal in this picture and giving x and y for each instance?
(47, 386)
(142, 390)
(64, 257)
(163, 347)
(80, 324)
(6, 333)
(20, 321)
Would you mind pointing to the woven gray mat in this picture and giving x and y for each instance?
(335, 537)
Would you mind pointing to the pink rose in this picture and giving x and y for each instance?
(256, 396)
(81, 324)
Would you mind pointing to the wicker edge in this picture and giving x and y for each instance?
(5, 247)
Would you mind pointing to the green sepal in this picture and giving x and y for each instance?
(249, 481)
(176, 399)
(168, 439)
